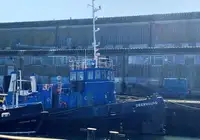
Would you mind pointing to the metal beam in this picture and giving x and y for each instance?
(110, 52)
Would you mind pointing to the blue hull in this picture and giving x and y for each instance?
(137, 117)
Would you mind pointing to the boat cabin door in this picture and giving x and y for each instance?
(55, 98)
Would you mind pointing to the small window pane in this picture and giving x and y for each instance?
(90, 75)
(189, 59)
(80, 76)
(73, 76)
(112, 75)
(103, 72)
(158, 60)
(168, 59)
(197, 59)
(108, 75)
(97, 74)
(179, 59)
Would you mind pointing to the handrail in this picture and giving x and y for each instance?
(80, 64)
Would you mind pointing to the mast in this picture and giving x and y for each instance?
(95, 44)
(19, 87)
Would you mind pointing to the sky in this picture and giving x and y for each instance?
(36, 10)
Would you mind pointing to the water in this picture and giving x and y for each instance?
(142, 138)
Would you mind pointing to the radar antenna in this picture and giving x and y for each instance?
(95, 44)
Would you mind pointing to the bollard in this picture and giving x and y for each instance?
(114, 135)
(90, 132)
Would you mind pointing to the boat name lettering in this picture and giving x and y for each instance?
(28, 121)
(146, 104)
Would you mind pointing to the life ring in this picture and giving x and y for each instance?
(58, 90)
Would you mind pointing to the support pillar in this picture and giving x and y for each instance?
(19, 65)
(124, 72)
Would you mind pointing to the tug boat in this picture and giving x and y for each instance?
(89, 101)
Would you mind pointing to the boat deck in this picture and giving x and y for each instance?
(134, 98)
(183, 101)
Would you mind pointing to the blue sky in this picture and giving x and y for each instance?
(30, 10)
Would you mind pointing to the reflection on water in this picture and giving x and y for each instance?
(143, 138)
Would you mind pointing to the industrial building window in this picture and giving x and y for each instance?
(131, 59)
(146, 59)
(158, 60)
(37, 60)
(168, 59)
(115, 39)
(197, 59)
(110, 40)
(65, 60)
(47, 60)
(2, 60)
(174, 29)
(189, 59)
(198, 33)
(27, 60)
(179, 59)
(42, 79)
(139, 60)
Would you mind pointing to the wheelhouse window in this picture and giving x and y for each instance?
(73, 76)
(103, 73)
(112, 75)
(108, 75)
(97, 74)
(90, 75)
(80, 76)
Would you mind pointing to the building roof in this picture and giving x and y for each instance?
(106, 20)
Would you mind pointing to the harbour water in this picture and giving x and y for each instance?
(92, 137)
(142, 138)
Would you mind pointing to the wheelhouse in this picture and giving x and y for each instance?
(84, 70)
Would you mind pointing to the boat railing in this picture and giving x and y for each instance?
(20, 105)
(104, 62)
(80, 64)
